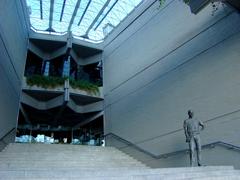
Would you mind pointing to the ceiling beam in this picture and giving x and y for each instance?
(41, 9)
(61, 16)
(74, 14)
(106, 14)
(85, 10)
(51, 16)
(96, 18)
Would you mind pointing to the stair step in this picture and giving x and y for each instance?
(60, 161)
(113, 172)
(227, 177)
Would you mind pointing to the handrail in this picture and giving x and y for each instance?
(166, 155)
(130, 144)
(2, 138)
(180, 129)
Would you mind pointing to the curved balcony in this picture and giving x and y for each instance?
(44, 96)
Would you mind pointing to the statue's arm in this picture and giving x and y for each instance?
(202, 124)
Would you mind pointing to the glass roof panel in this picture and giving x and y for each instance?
(87, 19)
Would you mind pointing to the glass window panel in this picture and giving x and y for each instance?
(105, 12)
(96, 35)
(58, 7)
(69, 9)
(60, 26)
(46, 8)
(56, 16)
(35, 13)
(92, 12)
(39, 24)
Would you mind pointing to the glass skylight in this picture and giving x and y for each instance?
(88, 19)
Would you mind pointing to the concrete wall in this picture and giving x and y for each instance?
(166, 63)
(8, 138)
(13, 49)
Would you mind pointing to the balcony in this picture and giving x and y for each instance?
(36, 84)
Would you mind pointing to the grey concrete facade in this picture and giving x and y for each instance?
(166, 63)
(52, 46)
(13, 51)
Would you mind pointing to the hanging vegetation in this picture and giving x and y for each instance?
(45, 81)
(84, 85)
(53, 82)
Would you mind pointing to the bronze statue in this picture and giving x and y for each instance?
(192, 128)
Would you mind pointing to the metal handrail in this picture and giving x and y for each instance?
(166, 155)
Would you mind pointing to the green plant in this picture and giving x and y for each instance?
(84, 85)
(45, 81)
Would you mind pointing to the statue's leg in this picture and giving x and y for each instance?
(199, 148)
(192, 147)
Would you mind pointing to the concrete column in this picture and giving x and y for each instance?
(46, 68)
(99, 66)
(69, 40)
(42, 68)
(66, 90)
(31, 135)
(79, 70)
(66, 67)
(72, 135)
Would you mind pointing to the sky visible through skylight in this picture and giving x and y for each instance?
(91, 19)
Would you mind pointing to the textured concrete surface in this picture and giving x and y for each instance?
(39, 161)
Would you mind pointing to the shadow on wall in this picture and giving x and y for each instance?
(212, 154)
(8, 138)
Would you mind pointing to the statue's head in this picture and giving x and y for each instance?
(190, 114)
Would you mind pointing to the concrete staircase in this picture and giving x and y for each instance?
(41, 161)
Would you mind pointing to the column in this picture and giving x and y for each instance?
(66, 67)
(46, 68)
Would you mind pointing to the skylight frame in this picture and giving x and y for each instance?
(85, 18)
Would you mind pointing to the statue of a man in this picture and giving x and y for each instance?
(192, 128)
